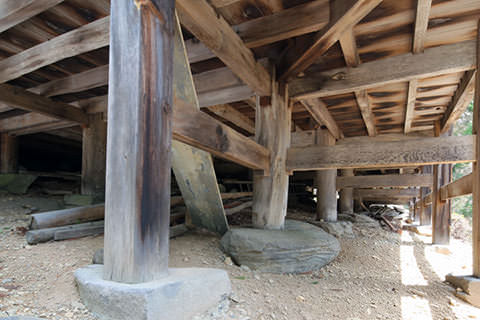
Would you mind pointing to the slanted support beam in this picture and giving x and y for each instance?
(346, 194)
(8, 153)
(137, 206)
(319, 112)
(94, 149)
(476, 168)
(272, 130)
(325, 181)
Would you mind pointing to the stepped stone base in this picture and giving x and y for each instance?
(301, 247)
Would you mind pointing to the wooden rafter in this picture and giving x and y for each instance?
(319, 112)
(13, 12)
(433, 62)
(201, 20)
(231, 114)
(344, 15)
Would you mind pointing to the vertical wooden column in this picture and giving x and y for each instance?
(8, 153)
(476, 169)
(94, 149)
(346, 194)
(272, 130)
(137, 206)
(440, 209)
(425, 211)
(326, 181)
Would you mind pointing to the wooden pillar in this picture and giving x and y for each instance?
(476, 169)
(272, 130)
(94, 148)
(440, 209)
(8, 153)
(425, 211)
(346, 194)
(326, 181)
(137, 206)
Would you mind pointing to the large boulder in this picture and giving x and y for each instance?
(300, 247)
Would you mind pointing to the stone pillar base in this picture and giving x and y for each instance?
(183, 294)
(470, 286)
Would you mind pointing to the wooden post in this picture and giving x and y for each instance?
(137, 206)
(425, 211)
(8, 153)
(346, 194)
(476, 169)
(94, 148)
(272, 130)
(326, 181)
(440, 209)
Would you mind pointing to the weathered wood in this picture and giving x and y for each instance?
(137, 203)
(385, 181)
(238, 208)
(325, 181)
(22, 99)
(432, 62)
(383, 154)
(344, 15)
(319, 112)
(345, 201)
(272, 130)
(410, 111)
(202, 21)
(86, 38)
(78, 232)
(421, 25)
(366, 111)
(94, 149)
(367, 194)
(13, 12)
(8, 153)
(476, 167)
(193, 169)
(457, 188)
(45, 235)
(231, 114)
(59, 218)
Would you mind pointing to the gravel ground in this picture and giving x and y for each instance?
(378, 275)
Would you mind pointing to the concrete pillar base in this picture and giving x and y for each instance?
(183, 294)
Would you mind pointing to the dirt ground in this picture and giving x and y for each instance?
(378, 275)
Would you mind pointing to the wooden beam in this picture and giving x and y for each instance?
(344, 15)
(319, 112)
(421, 25)
(231, 114)
(203, 22)
(460, 101)
(383, 154)
(86, 38)
(434, 61)
(22, 99)
(366, 111)
(384, 193)
(476, 166)
(410, 111)
(13, 12)
(385, 181)
(457, 188)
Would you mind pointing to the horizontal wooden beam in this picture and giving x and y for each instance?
(366, 194)
(86, 38)
(383, 154)
(385, 181)
(432, 62)
(13, 12)
(23, 99)
(457, 188)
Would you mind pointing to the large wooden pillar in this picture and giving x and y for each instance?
(8, 153)
(272, 130)
(137, 206)
(94, 148)
(476, 169)
(346, 194)
(425, 211)
(326, 181)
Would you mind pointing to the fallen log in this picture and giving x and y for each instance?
(44, 235)
(78, 232)
(59, 218)
(238, 208)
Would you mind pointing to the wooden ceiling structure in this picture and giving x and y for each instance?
(358, 68)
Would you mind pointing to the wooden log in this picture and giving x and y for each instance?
(476, 167)
(8, 153)
(137, 202)
(346, 193)
(426, 213)
(325, 182)
(78, 232)
(238, 208)
(44, 235)
(383, 154)
(385, 181)
(66, 217)
(272, 130)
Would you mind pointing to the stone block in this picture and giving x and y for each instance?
(339, 228)
(183, 294)
(16, 183)
(470, 288)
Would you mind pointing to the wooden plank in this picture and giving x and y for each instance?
(202, 21)
(13, 12)
(383, 154)
(421, 25)
(411, 98)
(137, 202)
(86, 38)
(319, 112)
(193, 168)
(22, 99)
(231, 114)
(432, 62)
(460, 101)
(344, 15)
(476, 167)
(385, 181)
(384, 193)
(366, 111)
(457, 188)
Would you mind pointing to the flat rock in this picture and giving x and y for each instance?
(301, 247)
(16, 183)
(338, 229)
